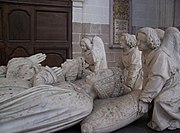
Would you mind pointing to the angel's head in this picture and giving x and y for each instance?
(147, 38)
(85, 44)
(127, 40)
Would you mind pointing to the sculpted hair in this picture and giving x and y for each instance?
(160, 33)
(152, 38)
(130, 39)
(88, 42)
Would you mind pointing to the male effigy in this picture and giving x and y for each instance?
(40, 99)
(35, 98)
(32, 102)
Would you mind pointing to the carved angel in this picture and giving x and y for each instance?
(130, 61)
(161, 77)
(94, 53)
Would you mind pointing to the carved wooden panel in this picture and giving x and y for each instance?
(2, 53)
(52, 29)
(1, 26)
(19, 51)
(2, 45)
(55, 56)
(32, 26)
(19, 25)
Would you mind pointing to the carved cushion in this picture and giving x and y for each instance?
(111, 114)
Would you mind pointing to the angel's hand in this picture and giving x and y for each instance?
(142, 107)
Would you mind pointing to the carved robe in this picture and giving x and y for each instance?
(162, 84)
(131, 61)
(43, 108)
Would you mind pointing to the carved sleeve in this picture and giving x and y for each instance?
(132, 76)
(159, 73)
(120, 63)
(45, 76)
(3, 70)
(133, 69)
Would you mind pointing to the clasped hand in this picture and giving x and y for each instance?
(142, 107)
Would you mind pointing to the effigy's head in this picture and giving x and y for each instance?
(21, 68)
(106, 82)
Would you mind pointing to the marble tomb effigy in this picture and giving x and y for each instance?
(37, 98)
(31, 103)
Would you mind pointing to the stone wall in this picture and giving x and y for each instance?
(90, 18)
(155, 13)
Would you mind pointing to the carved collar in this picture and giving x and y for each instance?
(130, 50)
(150, 56)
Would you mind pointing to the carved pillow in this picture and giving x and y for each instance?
(111, 114)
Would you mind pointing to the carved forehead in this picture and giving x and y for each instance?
(141, 36)
(148, 31)
(122, 37)
(151, 36)
(125, 35)
(85, 40)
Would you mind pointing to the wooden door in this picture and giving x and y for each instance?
(33, 26)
